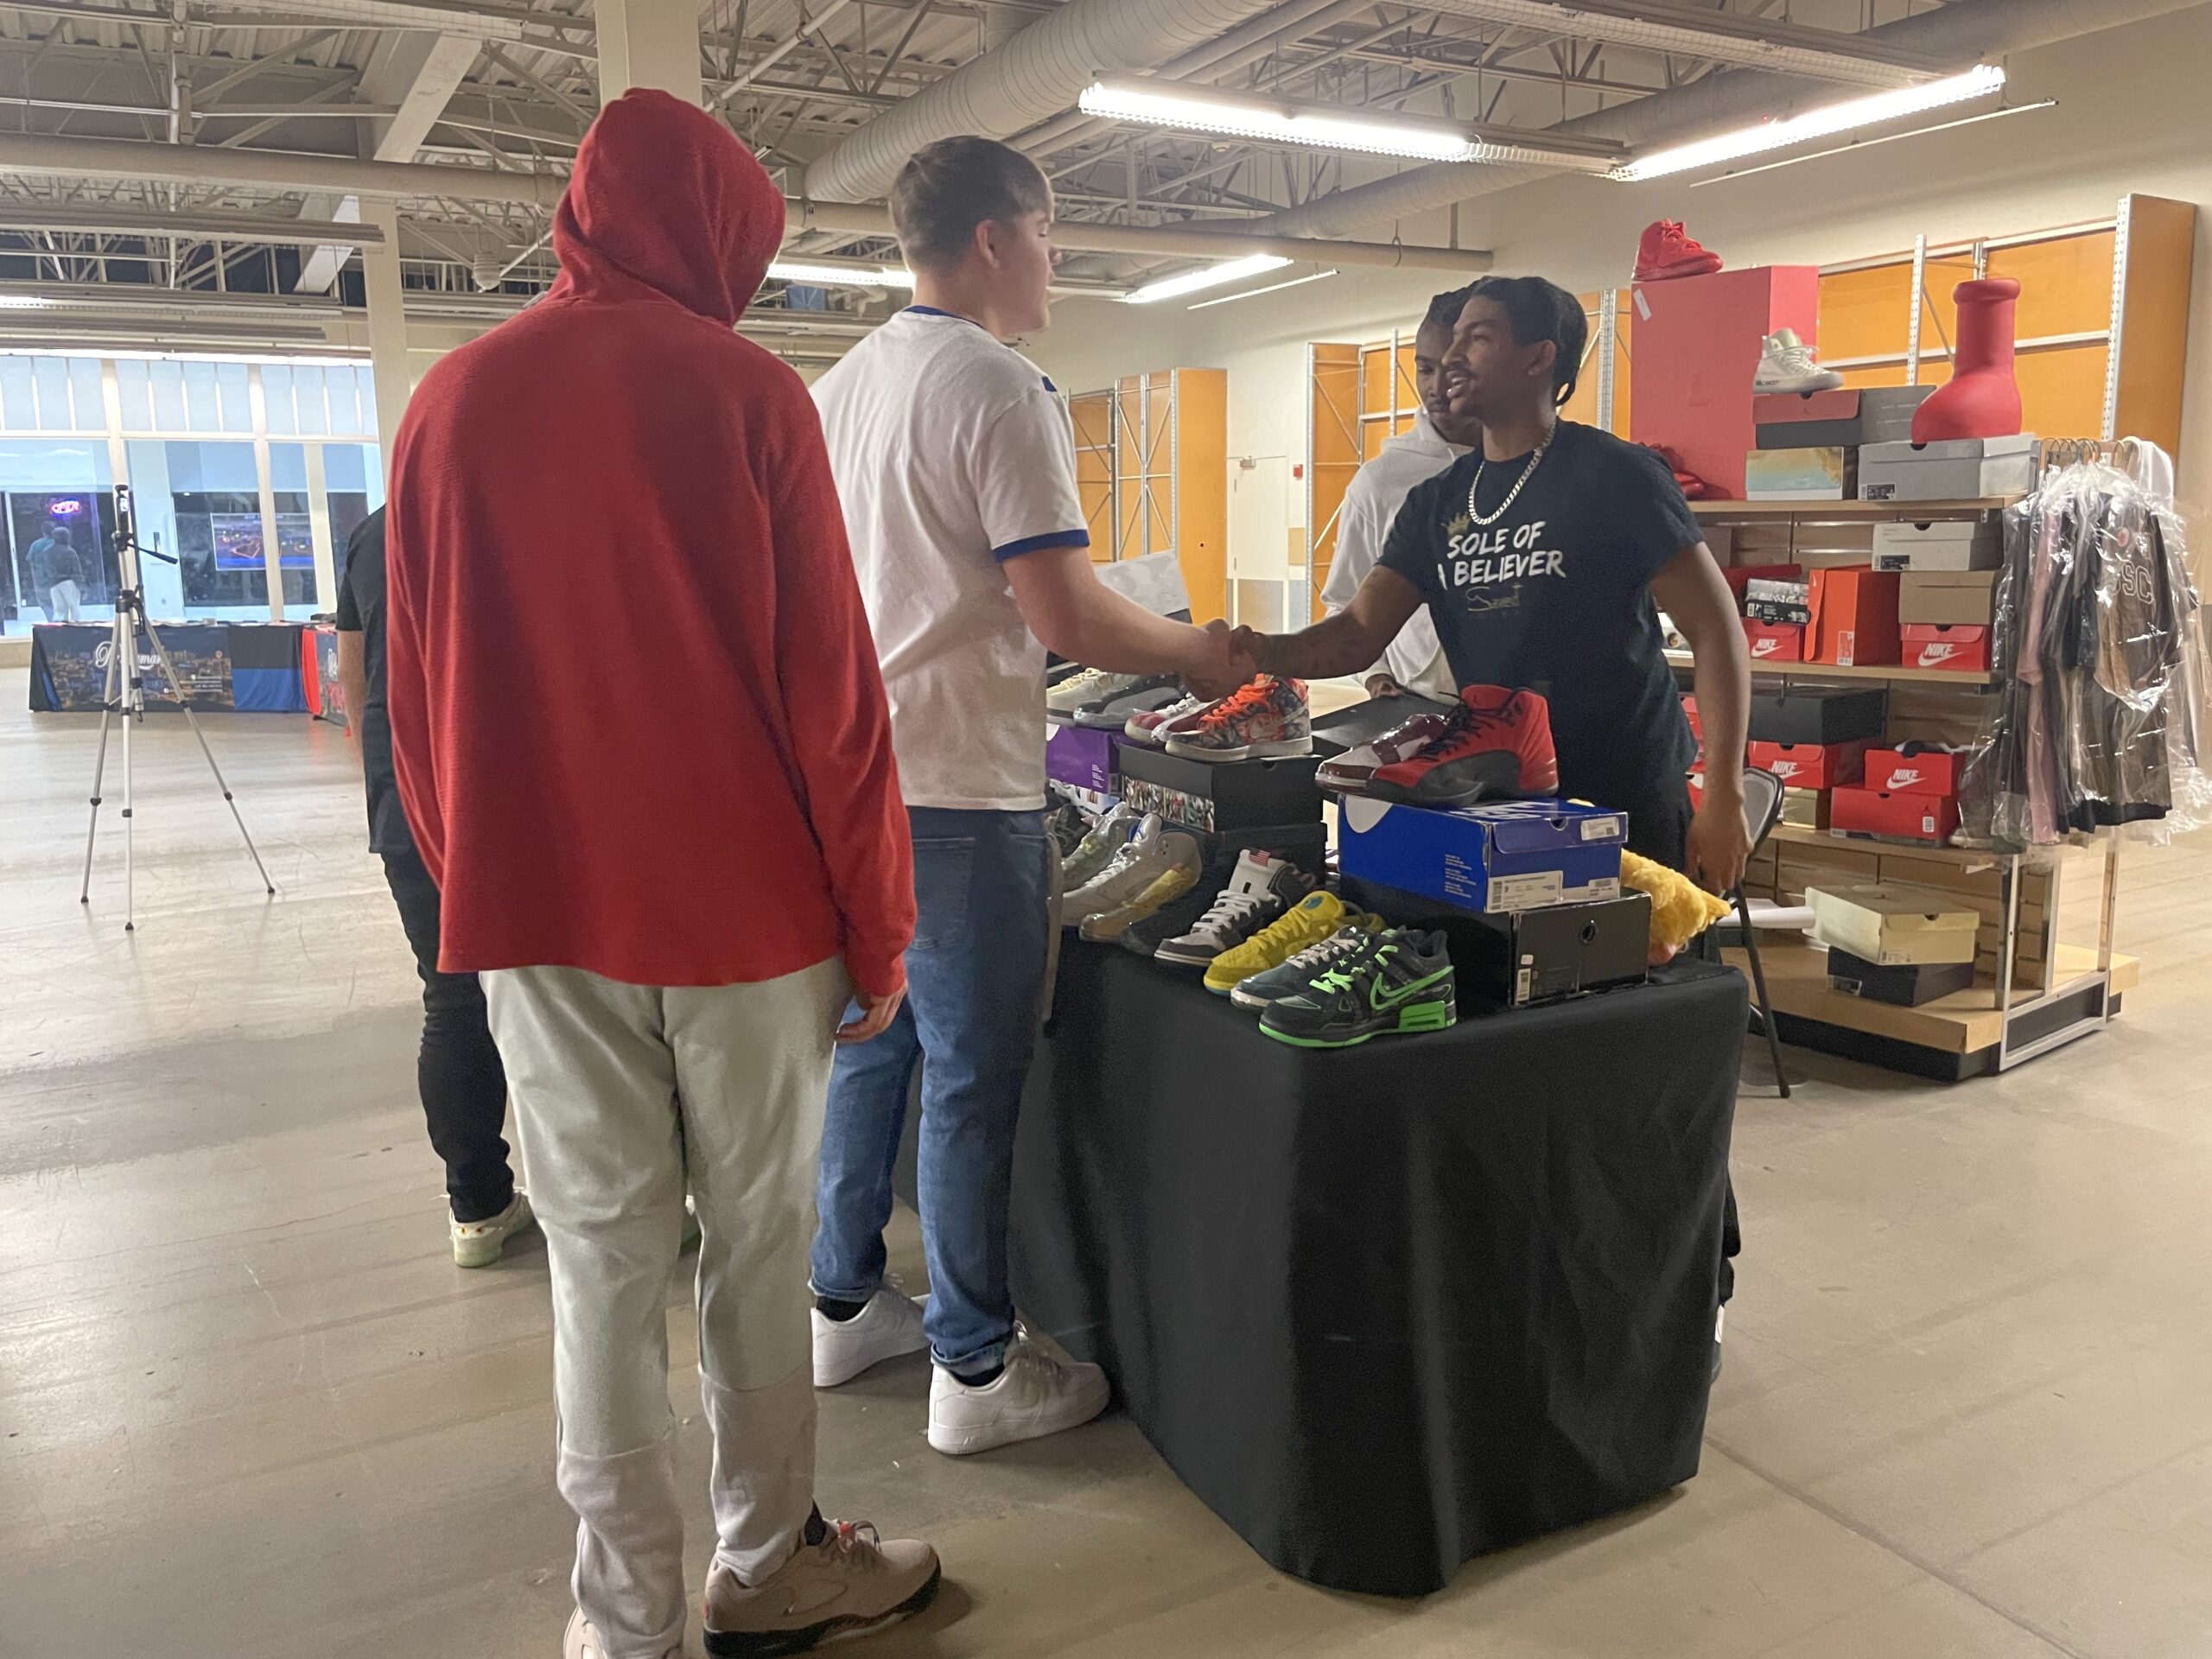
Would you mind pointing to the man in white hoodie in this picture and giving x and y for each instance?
(1414, 661)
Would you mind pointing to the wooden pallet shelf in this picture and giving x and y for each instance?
(1966, 1022)
(1851, 512)
(1895, 673)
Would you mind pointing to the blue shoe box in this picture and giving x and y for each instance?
(1501, 855)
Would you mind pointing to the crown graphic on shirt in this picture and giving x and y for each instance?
(1458, 526)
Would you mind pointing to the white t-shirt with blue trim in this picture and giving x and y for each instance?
(952, 454)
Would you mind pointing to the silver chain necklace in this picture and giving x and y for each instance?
(1504, 506)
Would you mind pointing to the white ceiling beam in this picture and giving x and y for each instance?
(417, 73)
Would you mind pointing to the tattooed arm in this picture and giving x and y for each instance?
(1347, 643)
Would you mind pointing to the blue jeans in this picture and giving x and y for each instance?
(974, 972)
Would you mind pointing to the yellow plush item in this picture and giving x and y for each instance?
(1680, 909)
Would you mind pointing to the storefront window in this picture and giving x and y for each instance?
(200, 504)
(57, 512)
(353, 478)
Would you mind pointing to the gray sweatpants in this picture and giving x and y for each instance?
(623, 1093)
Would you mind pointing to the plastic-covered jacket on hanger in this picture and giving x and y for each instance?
(2102, 660)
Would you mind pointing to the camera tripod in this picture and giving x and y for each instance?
(125, 695)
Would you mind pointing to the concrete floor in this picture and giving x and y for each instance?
(250, 1409)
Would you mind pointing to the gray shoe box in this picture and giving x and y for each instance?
(1955, 469)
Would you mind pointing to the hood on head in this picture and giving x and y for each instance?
(666, 194)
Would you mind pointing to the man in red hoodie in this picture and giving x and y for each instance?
(658, 795)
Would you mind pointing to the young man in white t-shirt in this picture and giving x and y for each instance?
(956, 465)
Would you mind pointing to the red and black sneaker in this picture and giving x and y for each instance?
(1666, 251)
(1496, 745)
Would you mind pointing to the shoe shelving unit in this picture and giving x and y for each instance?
(2034, 991)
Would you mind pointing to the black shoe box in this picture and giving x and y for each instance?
(1219, 796)
(1516, 959)
(1306, 845)
(1811, 717)
(1362, 722)
(1908, 987)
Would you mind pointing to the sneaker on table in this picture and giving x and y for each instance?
(1178, 916)
(1064, 697)
(1040, 1392)
(1496, 745)
(1112, 710)
(1147, 725)
(852, 1582)
(1666, 251)
(1150, 853)
(1263, 990)
(1347, 773)
(1786, 364)
(1263, 886)
(887, 1326)
(479, 1244)
(1403, 983)
(1107, 837)
(1112, 924)
(1318, 916)
(1267, 718)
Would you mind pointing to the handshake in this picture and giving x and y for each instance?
(1222, 658)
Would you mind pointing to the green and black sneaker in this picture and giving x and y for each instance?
(1402, 982)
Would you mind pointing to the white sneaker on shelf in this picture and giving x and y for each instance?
(1040, 1392)
(581, 1642)
(1148, 855)
(889, 1325)
(1089, 686)
(852, 1582)
(1786, 364)
(478, 1244)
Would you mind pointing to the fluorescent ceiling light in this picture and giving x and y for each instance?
(24, 303)
(794, 270)
(1191, 282)
(1255, 293)
(1207, 110)
(1871, 110)
(1884, 138)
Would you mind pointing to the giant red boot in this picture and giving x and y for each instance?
(1981, 399)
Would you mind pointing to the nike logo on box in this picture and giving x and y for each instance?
(1766, 647)
(1899, 779)
(1784, 768)
(1931, 655)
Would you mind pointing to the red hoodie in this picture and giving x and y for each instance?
(635, 708)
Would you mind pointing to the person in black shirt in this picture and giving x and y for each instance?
(464, 1087)
(1543, 557)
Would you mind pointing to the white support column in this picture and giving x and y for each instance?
(326, 549)
(649, 43)
(272, 553)
(387, 326)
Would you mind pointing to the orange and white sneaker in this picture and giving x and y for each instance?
(1266, 718)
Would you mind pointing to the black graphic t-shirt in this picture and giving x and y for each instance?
(1554, 596)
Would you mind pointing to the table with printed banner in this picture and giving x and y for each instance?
(1389, 1308)
(247, 668)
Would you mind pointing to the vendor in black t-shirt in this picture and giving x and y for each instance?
(1544, 558)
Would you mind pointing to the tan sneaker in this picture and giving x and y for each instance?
(582, 1642)
(478, 1244)
(850, 1583)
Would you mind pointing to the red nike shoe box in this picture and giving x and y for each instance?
(1934, 772)
(1812, 766)
(1775, 642)
(1855, 617)
(1929, 644)
(1915, 817)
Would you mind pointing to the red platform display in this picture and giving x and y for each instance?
(1697, 343)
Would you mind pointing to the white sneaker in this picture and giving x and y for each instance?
(582, 1642)
(1786, 364)
(889, 1325)
(852, 1582)
(1040, 1392)
(478, 1244)
(1150, 853)
(1089, 686)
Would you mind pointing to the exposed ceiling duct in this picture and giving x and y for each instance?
(1035, 75)
(1962, 30)
(108, 158)
(1668, 26)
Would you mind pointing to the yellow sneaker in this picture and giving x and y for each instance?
(1309, 921)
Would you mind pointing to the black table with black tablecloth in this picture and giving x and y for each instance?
(1386, 1308)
